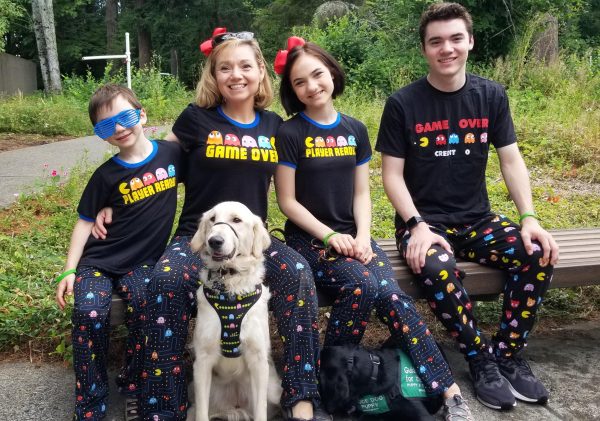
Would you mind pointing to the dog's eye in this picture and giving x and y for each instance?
(237, 220)
(212, 219)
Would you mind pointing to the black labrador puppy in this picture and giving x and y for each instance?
(350, 372)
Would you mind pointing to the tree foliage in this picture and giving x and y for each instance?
(10, 11)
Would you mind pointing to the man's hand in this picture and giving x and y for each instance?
(64, 289)
(103, 218)
(532, 231)
(420, 241)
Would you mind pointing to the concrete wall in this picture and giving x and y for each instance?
(17, 75)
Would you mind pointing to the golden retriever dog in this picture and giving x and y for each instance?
(234, 376)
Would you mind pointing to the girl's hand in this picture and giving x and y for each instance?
(362, 250)
(342, 243)
(64, 289)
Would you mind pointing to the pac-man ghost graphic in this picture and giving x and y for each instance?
(330, 142)
(161, 174)
(231, 140)
(341, 141)
(214, 138)
(249, 142)
(469, 138)
(148, 178)
(136, 183)
(440, 140)
(263, 142)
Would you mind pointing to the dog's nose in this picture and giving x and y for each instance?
(215, 242)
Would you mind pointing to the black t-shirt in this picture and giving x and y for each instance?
(325, 159)
(226, 160)
(143, 197)
(444, 139)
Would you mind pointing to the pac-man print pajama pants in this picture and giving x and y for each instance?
(359, 288)
(172, 302)
(493, 241)
(91, 325)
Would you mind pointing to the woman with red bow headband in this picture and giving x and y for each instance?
(322, 183)
(229, 139)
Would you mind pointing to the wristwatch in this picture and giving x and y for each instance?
(413, 222)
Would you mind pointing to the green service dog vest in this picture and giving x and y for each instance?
(231, 309)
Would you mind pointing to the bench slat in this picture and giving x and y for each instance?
(579, 265)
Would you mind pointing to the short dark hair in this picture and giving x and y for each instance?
(105, 94)
(444, 11)
(289, 99)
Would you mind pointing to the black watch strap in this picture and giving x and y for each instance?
(413, 222)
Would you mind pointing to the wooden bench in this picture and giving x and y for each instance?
(579, 265)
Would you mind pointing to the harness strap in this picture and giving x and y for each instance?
(225, 223)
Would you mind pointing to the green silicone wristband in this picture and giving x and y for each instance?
(526, 214)
(65, 274)
(327, 237)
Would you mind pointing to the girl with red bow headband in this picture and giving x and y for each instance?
(229, 137)
(322, 183)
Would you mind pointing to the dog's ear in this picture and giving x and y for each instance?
(198, 241)
(262, 239)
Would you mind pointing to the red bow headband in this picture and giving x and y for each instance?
(281, 57)
(207, 46)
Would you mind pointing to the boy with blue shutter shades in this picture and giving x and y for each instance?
(434, 137)
(140, 184)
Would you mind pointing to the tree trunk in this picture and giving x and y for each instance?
(174, 62)
(144, 40)
(111, 26)
(43, 25)
(545, 42)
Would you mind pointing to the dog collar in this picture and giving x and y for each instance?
(221, 273)
(231, 310)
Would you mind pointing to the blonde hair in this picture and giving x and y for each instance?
(207, 92)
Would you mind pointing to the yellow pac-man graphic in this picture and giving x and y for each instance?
(541, 276)
(444, 275)
(423, 142)
(96, 274)
(300, 303)
(471, 255)
(472, 234)
(157, 372)
(477, 340)
(124, 188)
(349, 323)
(525, 314)
(167, 269)
(505, 223)
(431, 252)
(93, 357)
(414, 341)
(459, 309)
(504, 259)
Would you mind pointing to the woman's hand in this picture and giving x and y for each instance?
(103, 218)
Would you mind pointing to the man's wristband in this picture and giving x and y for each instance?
(528, 214)
(327, 237)
(65, 274)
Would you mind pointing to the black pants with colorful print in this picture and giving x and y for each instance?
(91, 327)
(493, 241)
(172, 302)
(357, 289)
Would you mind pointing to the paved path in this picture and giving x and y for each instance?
(565, 359)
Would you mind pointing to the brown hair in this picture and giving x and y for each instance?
(207, 92)
(444, 11)
(105, 95)
(289, 99)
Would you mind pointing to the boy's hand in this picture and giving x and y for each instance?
(64, 289)
(103, 218)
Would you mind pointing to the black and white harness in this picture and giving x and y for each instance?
(230, 308)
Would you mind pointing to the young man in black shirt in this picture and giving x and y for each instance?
(434, 136)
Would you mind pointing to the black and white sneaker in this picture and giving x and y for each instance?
(491, 388)
(523, 384)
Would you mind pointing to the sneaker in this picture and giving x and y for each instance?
(456, 409)
(491, 388)
(521, 381)
(132, 412)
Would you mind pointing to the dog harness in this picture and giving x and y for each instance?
(231, 310)
(409, 385)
